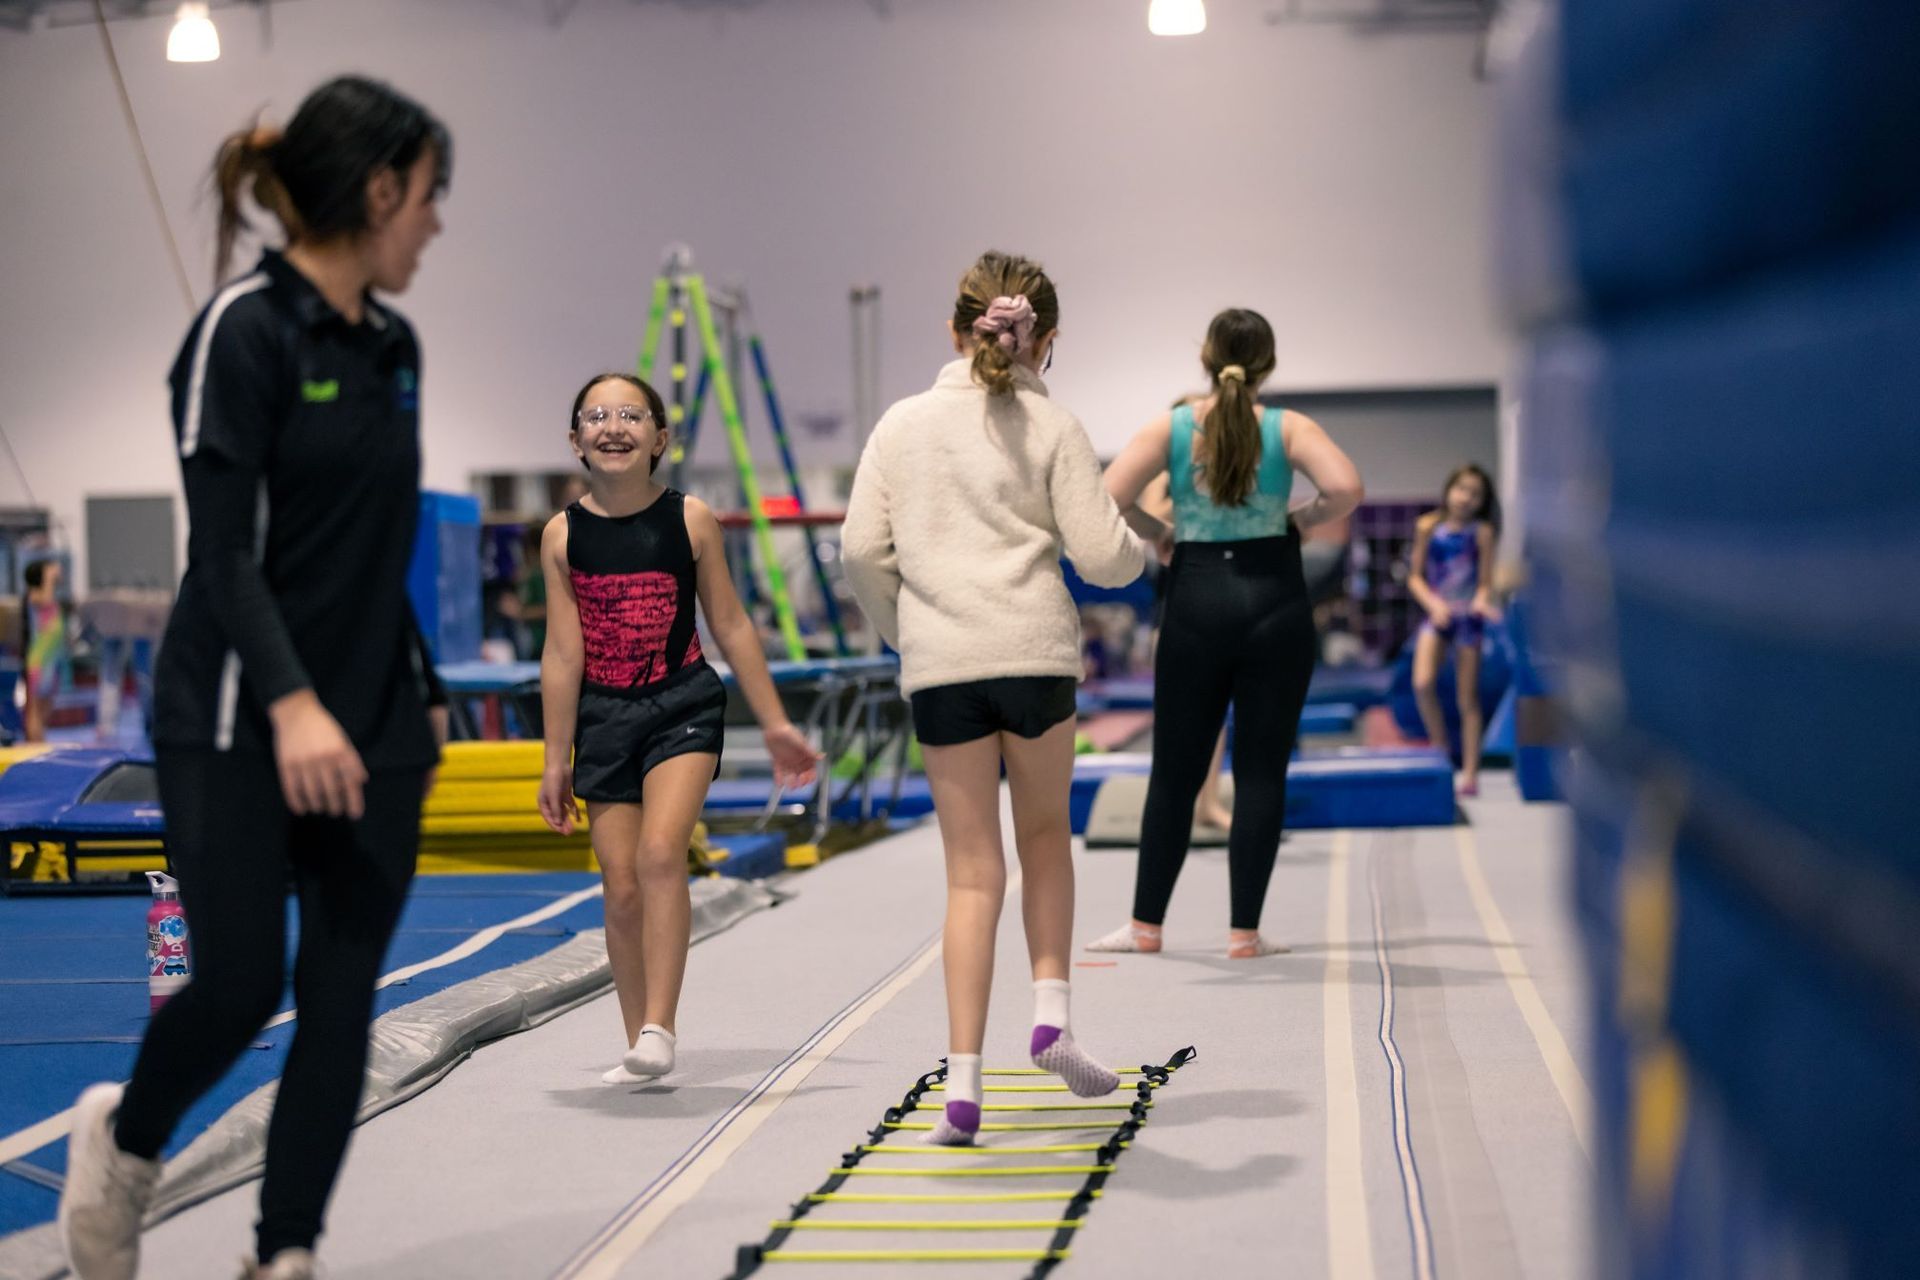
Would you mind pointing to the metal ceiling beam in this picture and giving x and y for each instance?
(1384, 14)
(28, 15)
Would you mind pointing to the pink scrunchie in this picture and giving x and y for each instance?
(1009, 321)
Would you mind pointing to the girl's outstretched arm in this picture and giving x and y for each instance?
(562, 663)
(794, 758)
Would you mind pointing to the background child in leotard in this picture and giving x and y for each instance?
(1452, 553)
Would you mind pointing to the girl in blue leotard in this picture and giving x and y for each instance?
(1452, 557)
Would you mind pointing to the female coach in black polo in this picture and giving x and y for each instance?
(297, 718)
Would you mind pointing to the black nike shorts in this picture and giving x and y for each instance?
(622, 734)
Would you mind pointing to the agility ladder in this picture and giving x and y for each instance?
(1092, 1172)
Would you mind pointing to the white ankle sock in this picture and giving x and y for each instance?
(652, 1053)
(959, 1123)
(1050, 1003)
(963, 1078)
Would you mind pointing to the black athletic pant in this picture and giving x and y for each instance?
(1237, 628)
(235, 848)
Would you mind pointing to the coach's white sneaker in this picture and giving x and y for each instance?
(288, 1264)
(106, 1193)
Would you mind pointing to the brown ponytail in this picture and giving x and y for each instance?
(245, 161)
(1238, 356)
(993, 368)
(312, 177)
(1002, 275)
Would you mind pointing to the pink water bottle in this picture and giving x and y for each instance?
(167, 964)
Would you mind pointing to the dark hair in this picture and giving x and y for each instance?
(36, 574)
(1002, 275)
(655, 405)
(313, 175)
(1240, 339)
(1490, 500)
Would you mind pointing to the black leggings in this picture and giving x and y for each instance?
(1237, 628)
(234, 847)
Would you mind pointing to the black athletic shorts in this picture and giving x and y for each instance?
(949, 714)
(621, 735)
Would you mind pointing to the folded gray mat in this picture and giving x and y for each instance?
(1114, 820)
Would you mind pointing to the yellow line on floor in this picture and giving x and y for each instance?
(1042, 1106)
(602, 1257)
(1009, 1126)
(1349, 1241)
(1022, 1089)
(999, 1197)
(929, 1224)
(1035, 1071)
(927, 1149)
(1564, 1071)
(917, 1255)
(1019, 1171)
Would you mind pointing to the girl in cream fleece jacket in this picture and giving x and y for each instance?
(964, 500)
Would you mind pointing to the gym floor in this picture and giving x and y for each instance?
(1398, 1096)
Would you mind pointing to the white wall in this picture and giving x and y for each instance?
(1335, 181)
(1407, 443)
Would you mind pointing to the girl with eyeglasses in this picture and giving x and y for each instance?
(963, 501)
(634, 713)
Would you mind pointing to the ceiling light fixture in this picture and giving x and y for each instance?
(193, 38)
(1177, 17)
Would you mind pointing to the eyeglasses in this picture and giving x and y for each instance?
(631, 415)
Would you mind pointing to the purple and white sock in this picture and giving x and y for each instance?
(1053, 1047)
(961, 1123)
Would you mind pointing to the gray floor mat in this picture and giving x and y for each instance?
(520, 1157)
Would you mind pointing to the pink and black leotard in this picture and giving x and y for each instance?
(647, 693)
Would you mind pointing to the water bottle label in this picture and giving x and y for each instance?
(167, 947)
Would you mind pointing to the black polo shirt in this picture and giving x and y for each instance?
(299, 440)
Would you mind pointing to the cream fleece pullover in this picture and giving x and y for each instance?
(961, 507)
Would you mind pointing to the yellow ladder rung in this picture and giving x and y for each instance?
(1035, 1071)
(1008, 1126)
(916, 1255)
(1022, 1171)
(927, 1149)
(943, 1198)
(1039, 1106)
(1019, 1088)
(958, 1224)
